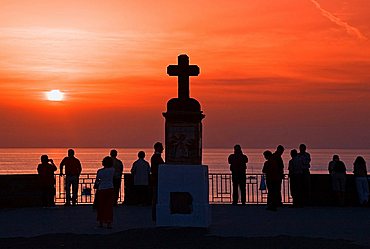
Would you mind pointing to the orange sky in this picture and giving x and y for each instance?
(272, 72)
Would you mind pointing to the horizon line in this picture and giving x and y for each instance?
(134, 147)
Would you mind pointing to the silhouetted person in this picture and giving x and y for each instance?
(296, 178)
(118, 170)
(331, 166)
(72, 171)
(337, 169)
(277, 158)
(362, 184)
(272, 180)
(238, 166)
(141, 171)
(155, 161)
(105, 192)
(274, 176)
(305, 159)
(47, 180)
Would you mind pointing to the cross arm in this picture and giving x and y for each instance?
(173, 70)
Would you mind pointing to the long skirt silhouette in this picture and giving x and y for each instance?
(104, 205)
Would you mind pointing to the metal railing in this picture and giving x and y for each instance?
(86, 191)
(220, 189)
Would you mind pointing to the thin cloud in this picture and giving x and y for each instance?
(350, 29)
(79, 53)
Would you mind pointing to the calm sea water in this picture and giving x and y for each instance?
(25, 160)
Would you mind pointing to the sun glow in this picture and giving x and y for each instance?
(55, 95)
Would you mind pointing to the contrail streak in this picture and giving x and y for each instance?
(350, 29)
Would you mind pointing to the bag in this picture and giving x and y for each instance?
(263, 183)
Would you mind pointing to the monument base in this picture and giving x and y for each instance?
(183, 196)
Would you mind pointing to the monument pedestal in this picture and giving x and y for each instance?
(183, 196)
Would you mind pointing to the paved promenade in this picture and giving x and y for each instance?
(349, 227)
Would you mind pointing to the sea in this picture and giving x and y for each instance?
(25, 160)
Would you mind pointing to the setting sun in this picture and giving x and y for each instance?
(54, 95)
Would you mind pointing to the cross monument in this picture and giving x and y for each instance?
(183, 71)
(183, 179)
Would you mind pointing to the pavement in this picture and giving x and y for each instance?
(351, 224)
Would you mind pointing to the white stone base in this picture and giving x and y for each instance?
(183, 178)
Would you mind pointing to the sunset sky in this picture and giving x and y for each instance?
(272, 72)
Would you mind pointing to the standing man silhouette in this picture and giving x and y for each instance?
(296, 178)
(141, 172)
(117, 178)
(72, 172)
(155, 161)
(276, 175)
(337, 168)
(305, 159)
(238, 166)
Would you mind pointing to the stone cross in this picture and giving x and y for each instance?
(183, 70)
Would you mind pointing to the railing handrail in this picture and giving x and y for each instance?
(220, 188)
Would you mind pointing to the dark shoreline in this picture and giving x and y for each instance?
(169, 238)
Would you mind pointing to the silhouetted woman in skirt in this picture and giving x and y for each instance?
(105, 193)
